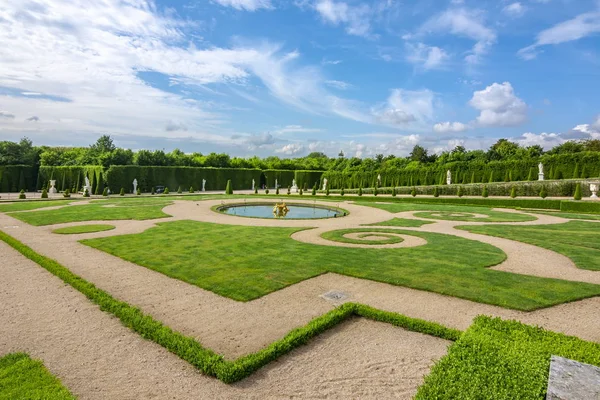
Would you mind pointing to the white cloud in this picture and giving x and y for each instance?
(444, 127)
(515, 10)
(574, 29)
(464, 23)
(331, 62)
(546, 140)
(295, 129)
(406, 108)
(291, 149)
(499, 106)
(34, 118)
(429, 57)
(248, 5)
(338, 84)
(173, 126)
(596, 124)
(357, 19)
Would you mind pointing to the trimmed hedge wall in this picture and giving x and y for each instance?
(308, 177)
(13, 178)
(72, 178)
(284, 177)
(561, 166)
(122, 176)
(580, 206)
(562, 188)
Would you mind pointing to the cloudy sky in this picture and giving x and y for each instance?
(287, 77)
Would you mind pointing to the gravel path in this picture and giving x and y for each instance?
(98, 358)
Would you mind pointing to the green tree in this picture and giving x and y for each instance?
(577, 195)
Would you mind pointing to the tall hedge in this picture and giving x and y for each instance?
(14, 178)
(561, 166)
(308, 177)
(284, 177)
(118, 176)
(72, 177)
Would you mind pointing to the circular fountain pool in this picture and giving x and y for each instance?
(269, 210)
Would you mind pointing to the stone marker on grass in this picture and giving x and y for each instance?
(572, 380)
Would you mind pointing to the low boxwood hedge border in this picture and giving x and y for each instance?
(205, 359)
(503, 360)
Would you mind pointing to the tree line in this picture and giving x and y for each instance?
(104, 153)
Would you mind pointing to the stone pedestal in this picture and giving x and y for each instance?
(52, 187)
(541, 177)
(594, 189)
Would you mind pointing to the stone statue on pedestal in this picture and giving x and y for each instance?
(448, 177)
(541, 172)
(203, 185)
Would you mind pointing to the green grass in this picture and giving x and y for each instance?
(338, 236)
(247, 262)
(22, 378)
(502, 360)
(445, 210)
(70, 230)
(33, 205)
(206, 360)
(93, 212)
(410, 223)
(578, 240)
(591, 217)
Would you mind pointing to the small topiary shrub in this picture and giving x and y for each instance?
(67, 193)
(485, 192)
(413, 192)
(191, 189)
(436, 192)
(577, 195)
(289, 191)
(360, 191)
(276, 190)
(105, 191)
(166, 191)
(255, 190)
(375, 191)
(122, 192)
(44, 194)
(543, 192)
(314, 191)
(327, 191)
(342, 192)
(300, 192)
(459, 192)
(153, 191)
(394, 191)
(266, 191)
(138, 192)
(229, 187)
(179, 191)
(86, 193)
(22, 195)
(513, 192)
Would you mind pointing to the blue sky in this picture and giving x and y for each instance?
(277, 77)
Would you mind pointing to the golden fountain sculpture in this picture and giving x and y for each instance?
(280, 210)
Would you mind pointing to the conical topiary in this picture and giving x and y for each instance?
(67, 193)
(228, 188)
(138, 192)
(577, 195)
(276, 190)
(327, 191)
(394, 191)
(459, 192)
(266, 191)
(289, 191)
(543, 192)
(191, 189)
(300, 192)
(513, 192)
(105, 191)
(22, 194)
(122, 192)
(360, 191)
(166, 191)
(179, 190)
(576, 171)
(375, 191)
(255, 190)
(314, 190)
(484, 193)
(44, 194)
(342, 192)
(413, 192)
(86, 193)
(436, 192)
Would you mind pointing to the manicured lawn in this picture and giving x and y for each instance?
(338, 236)
(411, 223)
(445, 210)
(33, 205)
(246, 262)
(22, 378)
(70, 230)
(502, 360)
(93, 212)
(578, 240)
(592, 217)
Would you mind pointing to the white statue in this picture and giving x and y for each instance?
(379, 180)
(594, 190)
(52, 186)
(87, 186)
(252, 184)
(134, 185)
(294, 187)
(203, 185)
(541, 172)
(448, 177)
(324, 183)
(276, 186)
